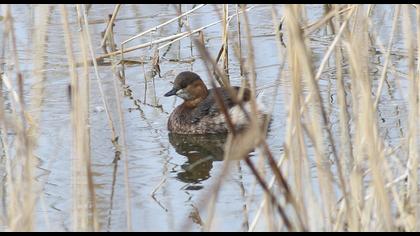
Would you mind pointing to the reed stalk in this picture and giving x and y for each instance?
(413, 123)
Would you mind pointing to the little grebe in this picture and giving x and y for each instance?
(200, 113)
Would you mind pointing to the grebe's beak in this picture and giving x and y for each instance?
(170, 93)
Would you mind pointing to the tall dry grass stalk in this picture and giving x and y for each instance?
(83, 193)
(122, 148)
(22, 190)
(368, 145)
(225, 36)
(412, 199)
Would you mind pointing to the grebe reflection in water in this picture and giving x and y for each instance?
(201, 151)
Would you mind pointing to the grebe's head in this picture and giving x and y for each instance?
(188, 86)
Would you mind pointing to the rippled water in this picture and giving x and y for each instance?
(180, 169)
